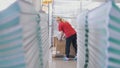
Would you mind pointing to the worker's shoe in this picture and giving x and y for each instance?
(75, 58)
(66, 59)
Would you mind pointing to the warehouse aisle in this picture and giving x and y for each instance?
(59, 63)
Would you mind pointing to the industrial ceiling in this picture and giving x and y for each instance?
(70, 8)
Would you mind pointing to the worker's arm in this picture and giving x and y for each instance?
(61, 35)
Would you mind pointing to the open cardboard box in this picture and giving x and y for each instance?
(59, 48)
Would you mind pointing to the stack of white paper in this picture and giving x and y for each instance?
(81, 40)
(31, 35)
(114, 34)
(98, 36)
(100, 43)
(20, 37)
(44, 37)
(11, 43)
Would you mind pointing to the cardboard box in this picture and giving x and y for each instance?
(60, 47)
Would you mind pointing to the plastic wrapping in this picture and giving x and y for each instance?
(23, 40)
(98, 37)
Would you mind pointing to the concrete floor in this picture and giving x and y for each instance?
(59, 63)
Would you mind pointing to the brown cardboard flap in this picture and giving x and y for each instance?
(60, 47)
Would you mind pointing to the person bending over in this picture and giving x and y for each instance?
(65, 28)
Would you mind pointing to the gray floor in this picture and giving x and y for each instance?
(59, 63)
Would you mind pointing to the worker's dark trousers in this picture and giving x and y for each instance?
(72, 39)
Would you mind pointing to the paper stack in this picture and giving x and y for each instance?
(98, 41)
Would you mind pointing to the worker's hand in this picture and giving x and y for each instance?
(60, 39)
(64, 37)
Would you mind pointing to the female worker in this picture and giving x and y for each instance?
(65, 28)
